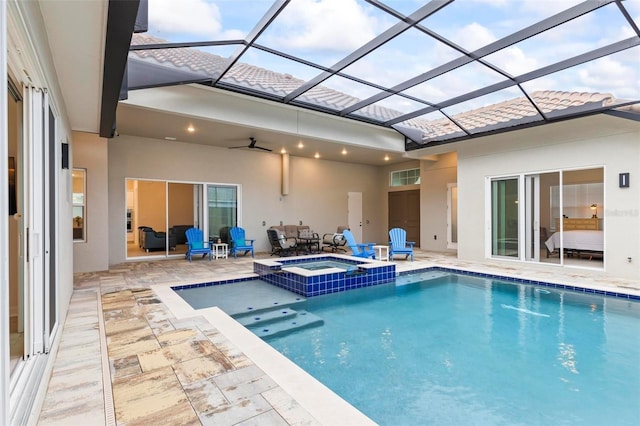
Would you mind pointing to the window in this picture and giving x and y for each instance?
(405, 177)
(79, 185)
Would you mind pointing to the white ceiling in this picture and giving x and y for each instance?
(76, 33)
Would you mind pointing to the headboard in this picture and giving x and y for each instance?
(574, 224)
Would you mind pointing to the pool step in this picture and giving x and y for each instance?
(302, 319)
(265, 317)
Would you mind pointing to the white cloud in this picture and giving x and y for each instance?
(513, 60)
(546, 7)
(493, 3)
(193, 17)
(474, 36)
(611, 76)
(333, 25)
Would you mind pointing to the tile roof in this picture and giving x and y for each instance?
(508, 113)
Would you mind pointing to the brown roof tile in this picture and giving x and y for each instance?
(504, 114)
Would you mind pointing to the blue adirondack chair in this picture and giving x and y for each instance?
(399, 243)
(359, 250)
(196, 244)
(239, 242)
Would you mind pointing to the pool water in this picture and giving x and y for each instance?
(463, 350)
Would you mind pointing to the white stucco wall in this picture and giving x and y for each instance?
(317, 195)
(597, 141)
(435, 174)
(90, 153)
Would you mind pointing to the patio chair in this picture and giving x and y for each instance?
(238, 242)
(196, 244)
(334, 242)
(364, 250)
(398, 243)
(280, 244)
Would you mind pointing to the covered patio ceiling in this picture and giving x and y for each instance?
(435, 71)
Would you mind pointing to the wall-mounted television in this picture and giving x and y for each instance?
(13, 201)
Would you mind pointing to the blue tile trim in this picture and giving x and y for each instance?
(212, 283)
(523, 281)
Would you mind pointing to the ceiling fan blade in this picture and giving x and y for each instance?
(264, 149)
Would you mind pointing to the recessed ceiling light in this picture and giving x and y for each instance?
(170, 138)
(317, 155)
(300, 144)
(191, 129)
(344, 151)
(283, 151)
(386, 158)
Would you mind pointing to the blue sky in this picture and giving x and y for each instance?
(325, 31)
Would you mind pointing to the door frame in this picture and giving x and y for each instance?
(354, 214)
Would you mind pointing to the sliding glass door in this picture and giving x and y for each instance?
(159, 212)
(504, 218)
(222, 210)
(551, 217)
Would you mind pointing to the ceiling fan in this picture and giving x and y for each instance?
(252, 145)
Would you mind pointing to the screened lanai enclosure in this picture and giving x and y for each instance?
(436, 71)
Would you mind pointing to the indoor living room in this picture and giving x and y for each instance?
(158, 214)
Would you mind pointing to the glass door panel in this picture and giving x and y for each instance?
(222, 210)
(582, 223)
(182, 205)
(550, 208)
(147, 207)
(504, 218)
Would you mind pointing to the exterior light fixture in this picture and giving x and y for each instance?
(594, 207)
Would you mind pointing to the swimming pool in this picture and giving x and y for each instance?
(465, 350)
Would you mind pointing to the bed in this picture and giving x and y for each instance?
(577, 241)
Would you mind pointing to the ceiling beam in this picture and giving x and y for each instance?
(121, 21)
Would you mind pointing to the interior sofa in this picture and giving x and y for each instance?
(154, 240)
(179, 231)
